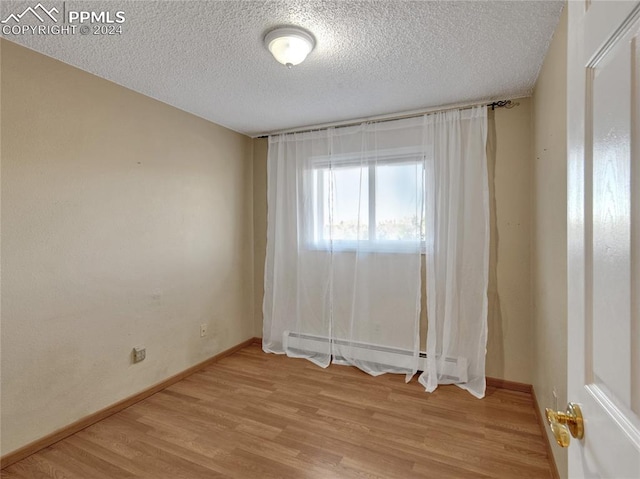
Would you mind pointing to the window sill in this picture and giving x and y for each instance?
(375, 247)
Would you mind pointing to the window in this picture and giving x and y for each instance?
(376, 203)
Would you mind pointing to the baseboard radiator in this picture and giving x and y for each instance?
(301, 344)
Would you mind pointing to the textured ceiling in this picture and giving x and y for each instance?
(371, 57)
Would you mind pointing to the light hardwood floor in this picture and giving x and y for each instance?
(254, 415)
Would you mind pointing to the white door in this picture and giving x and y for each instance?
(604, 236)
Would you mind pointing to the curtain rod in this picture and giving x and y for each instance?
(379, 119)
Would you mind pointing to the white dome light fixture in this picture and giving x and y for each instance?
(289, 45)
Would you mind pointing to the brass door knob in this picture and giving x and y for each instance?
(563, 423)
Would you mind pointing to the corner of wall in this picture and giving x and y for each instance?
(509, 351)
(259, 163)
(549, 233)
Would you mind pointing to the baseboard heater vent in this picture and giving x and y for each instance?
(302, 344)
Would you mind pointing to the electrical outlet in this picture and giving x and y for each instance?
(203, 330)
(139, 354)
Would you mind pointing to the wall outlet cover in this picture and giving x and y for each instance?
(139, 354)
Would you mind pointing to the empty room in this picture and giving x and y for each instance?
(331, 239)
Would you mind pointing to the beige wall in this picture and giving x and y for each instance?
(509, 349)
(125, 223)
(260, 146)
(549, 233)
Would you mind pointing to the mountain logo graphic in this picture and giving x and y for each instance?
(34, 11)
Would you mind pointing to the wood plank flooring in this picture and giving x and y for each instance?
(254, 415)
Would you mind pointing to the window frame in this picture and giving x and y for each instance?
(323, 165)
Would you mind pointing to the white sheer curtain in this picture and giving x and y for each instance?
(350, 212)
(342, 276)
(457, 250)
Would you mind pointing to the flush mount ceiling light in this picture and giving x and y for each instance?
(289, 45)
